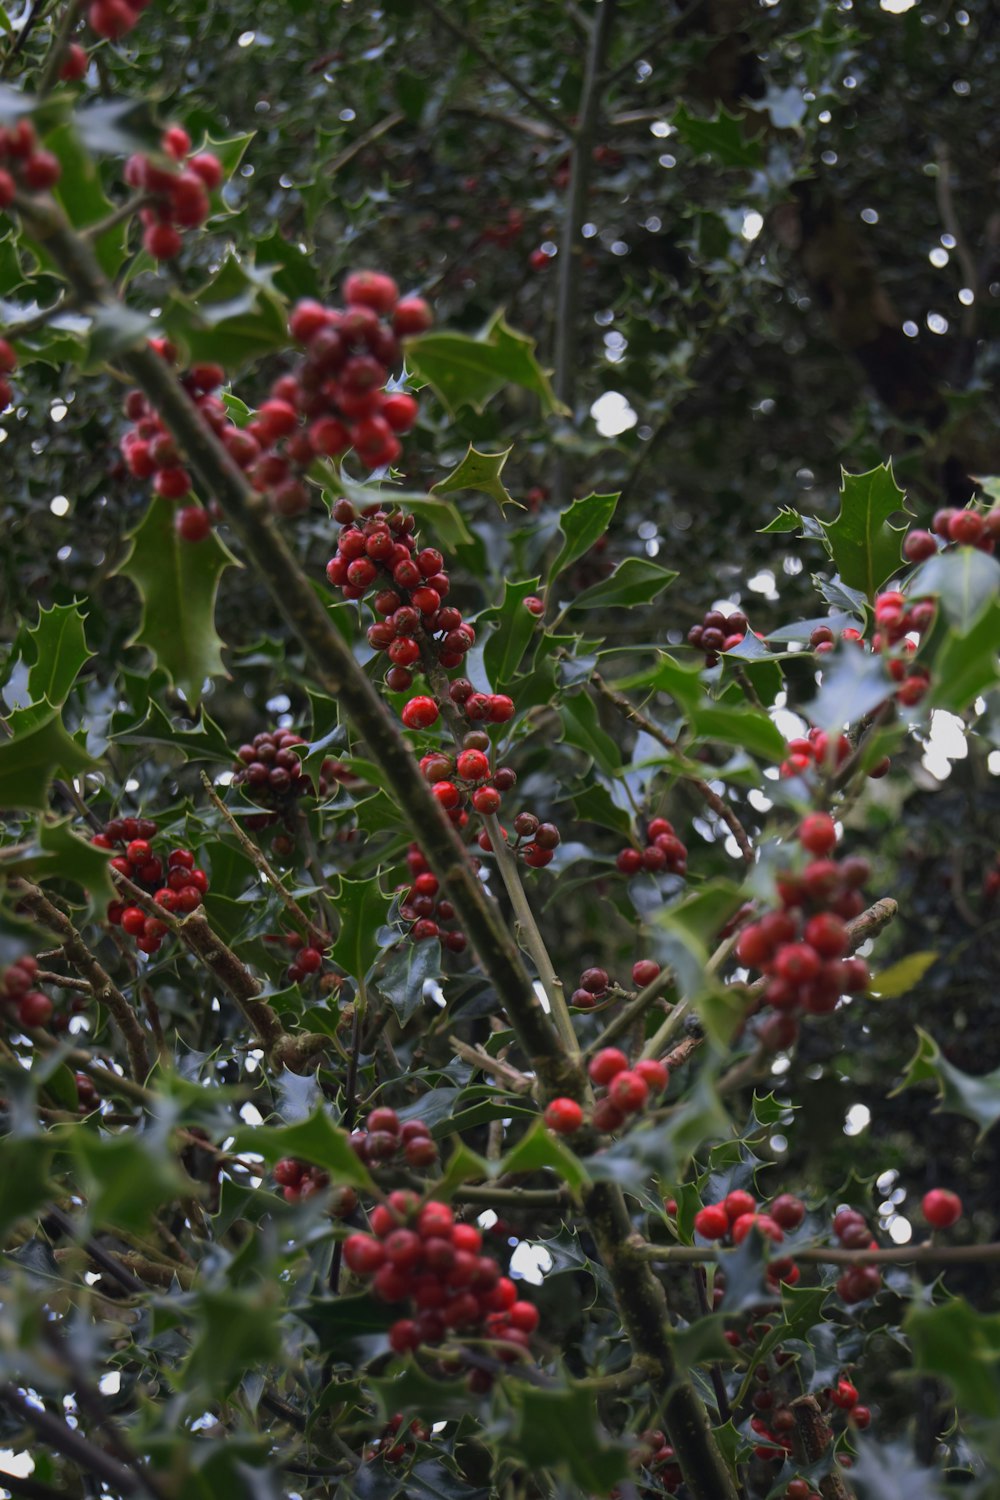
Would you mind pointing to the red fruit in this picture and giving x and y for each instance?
(306, 320)
(75, 64)
(193, 523)
(860, 1416)
(41, 170)
(400, 411)
(754, 946)
(644, 972)
(34, 1009)
(486, 800)
(363, 1254)
(563, 1116)
(404, 1335)
(473, 765)
(208, 168)
(818, 833)
(162, 241)
(788, 1211)
(712, 1222)
(653, 1074)
(111, 18)
(965, 528)
(176, 142)
(421, 713)
(594, 981)
(941, 1208)
(629, 862)
(797, 963)
(447, 794)
(607, 1064)
(435, 1221)
(372, 289)
(762, 1222)
(606, 1116)
(844, 1395)
(738, 1203)
(524, 1316)
(628, 1091)
(133, 921)
(918, 546)
(827, 934)
(412, 316)
(8, 189)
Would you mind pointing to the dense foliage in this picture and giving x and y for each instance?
(499, 864)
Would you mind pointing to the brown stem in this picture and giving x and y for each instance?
(260, 859)
(72, 1444)
(79, 955)
(811, 1437)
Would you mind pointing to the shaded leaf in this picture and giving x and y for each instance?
(581, 524)
(315, 1140)
(636, 580)
(362, 909)
(963, 1345)
(965, 580)
(538, 1148)
(514, 627)
(723, 139)
(470, 372)
(903, 976)
(558, 1429)
(37, 748)
(408, 970)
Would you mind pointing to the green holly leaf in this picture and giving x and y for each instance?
(557, 1429)
(37, 749)
(749, 728)
(237, 1331)
(581, 525)
(404, 976)
(177, 582)
(690, 929)
(81, 195)
(205, 741)
(481, 472)
(60, 652)
(636, 580)
(234, 318)
(470, 372)
(316, 1140)
(24, 1182)
(363, 909)
(514, 625)
(539, 1148)
(722, 139)
(963, 1345)
(966, 666)
(594, 804)
(853, 684)
(57, 853)
(125, 1177)
(965, 580)
(977, 1096)
(787, 519)
(115, 329)
(414, 1394)
(582, 727)
(864, 547)
(900, 978)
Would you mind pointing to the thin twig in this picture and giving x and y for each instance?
(260, 859)
(538, 106)
(478, 1057)
(50, 72)
(332, 167)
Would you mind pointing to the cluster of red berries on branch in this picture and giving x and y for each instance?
(308, 958)
(113, 19)
(859, 1282)
(150, 451)
(802, 947)
(961, 528)
(628, 1088)
(178, 887)
(654, 1453)
(733, 1217)
(718, 632)
(422, 903)
(663, 852)
(21, 995)
(534, 841)
(272, 775)
(179, 192)
(595, 986)
(378, 554)
(24, 163)
(900, 623)
(393, 1446)
(826, 751)
(417, 1253)
(386, 1139)
(298, 1180)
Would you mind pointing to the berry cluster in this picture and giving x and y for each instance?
(718, 632)
(654, 1453)
(627, 1090)
(272, 773)
(298, 1180)
(733, 1217)
(181, 891)
(592, 989)
(386, 1139)
(418, 1253)
(19, 993)
(802, 946)
(663, 853)
(150, 451)
(24, 164)
(308, 958)
(113, 19)
(857, 1283)
(379, 554)
(338, 387)
(902, 624)
(392, 1447)
(963, 528)
(422, 904)
(179, 192)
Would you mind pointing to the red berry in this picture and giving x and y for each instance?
(653, 1073)
(563, 1116)
(712, 1222)
(965, 528)
(594, 981)
(942, 1208)
(411, 316)
(209, 169)
(436, 1220)
(363, 1254)
(844, 1395)
(193, 523)
(524, 1316)
(818, 833)
(473, 765)
(788, 1211)
(607, 1064)
(75, 64)
(176, 142)
(644, 972)
(860, 1416)
(738, 1203)
(486, 800)
(162, 241)
(421, 713)
(761, 1222)
(628, 1091)
(133, 921)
